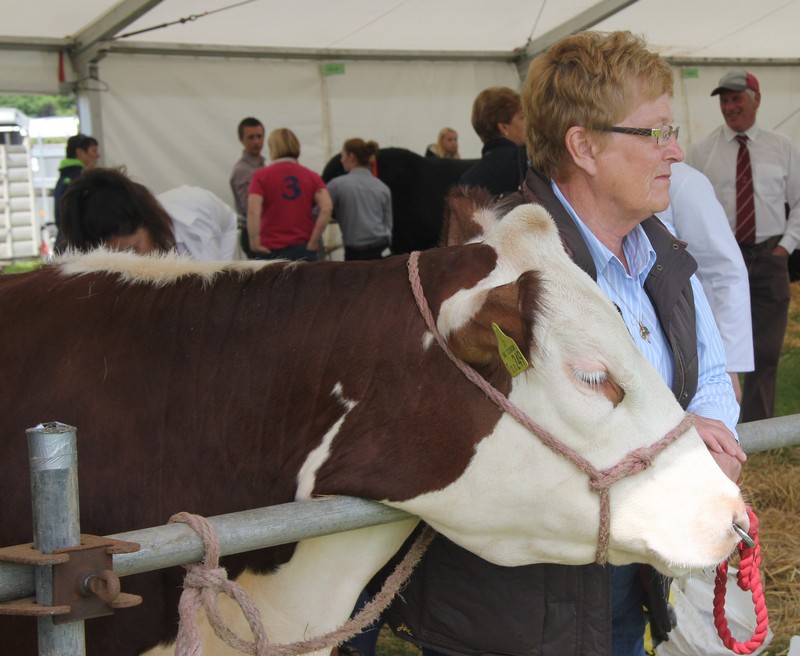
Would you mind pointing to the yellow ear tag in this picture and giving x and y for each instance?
(509, 352)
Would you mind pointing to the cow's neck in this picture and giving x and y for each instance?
(312, 594)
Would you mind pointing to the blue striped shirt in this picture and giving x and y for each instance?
(715, 398)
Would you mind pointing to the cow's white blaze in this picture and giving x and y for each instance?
(518, 502)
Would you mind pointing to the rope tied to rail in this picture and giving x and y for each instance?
(204, 581)
(749, 580)
(599, 480)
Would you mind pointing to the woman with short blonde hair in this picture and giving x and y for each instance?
(281, 201)
(283, 143)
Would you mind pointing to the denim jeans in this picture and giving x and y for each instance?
(627, 616)
(295, 252)
(364, 642)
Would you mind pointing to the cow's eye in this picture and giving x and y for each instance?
(599, 381)
(591, 378)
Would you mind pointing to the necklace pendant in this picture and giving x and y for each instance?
(644, 331)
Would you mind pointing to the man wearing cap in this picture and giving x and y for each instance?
(755, 174)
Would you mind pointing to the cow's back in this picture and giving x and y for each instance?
(137, 368)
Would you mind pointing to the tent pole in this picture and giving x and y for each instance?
(327, 137)
(87, 93)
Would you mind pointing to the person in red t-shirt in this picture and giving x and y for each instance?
(281, 201)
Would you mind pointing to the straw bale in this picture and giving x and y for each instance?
(771, 484)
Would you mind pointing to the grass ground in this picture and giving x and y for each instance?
(20, 267)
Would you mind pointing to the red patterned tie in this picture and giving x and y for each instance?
(745, 207)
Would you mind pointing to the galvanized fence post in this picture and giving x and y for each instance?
(53, 461)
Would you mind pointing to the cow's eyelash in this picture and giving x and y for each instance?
(592, 378)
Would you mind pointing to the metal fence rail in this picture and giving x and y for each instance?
(769, 434)
(175, 544)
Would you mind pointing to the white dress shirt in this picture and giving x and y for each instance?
(776, 179)
(204, 225)
(696, 217)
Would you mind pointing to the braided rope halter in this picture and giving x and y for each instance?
(600, 480)
(206, 580)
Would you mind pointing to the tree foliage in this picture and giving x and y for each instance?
(39, 106)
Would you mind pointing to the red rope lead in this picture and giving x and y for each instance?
(748, 579)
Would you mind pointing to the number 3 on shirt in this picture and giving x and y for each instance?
(292, 188)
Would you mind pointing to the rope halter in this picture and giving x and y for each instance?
(600, 480)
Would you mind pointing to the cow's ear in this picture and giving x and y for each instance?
(513, 307)
(467, 215)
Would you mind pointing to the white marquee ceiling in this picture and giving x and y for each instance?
(684, 29)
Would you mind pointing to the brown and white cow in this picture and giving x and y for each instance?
(212, 388)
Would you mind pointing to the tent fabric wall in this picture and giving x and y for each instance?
(172, 120)
(405, 104)
(410, 68)
(29, 72)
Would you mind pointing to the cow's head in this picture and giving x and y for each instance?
(518, 502)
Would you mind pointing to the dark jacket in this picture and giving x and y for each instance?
(68, 170)
(501, 168)
(458, 603)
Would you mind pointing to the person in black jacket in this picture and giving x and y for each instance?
(82, 155)
(498, 120)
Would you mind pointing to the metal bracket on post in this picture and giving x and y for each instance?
(25, 554)
(84, 583)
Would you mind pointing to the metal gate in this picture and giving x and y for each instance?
(19, 236)
(53, 464)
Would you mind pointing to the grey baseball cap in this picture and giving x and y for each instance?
(736, 80)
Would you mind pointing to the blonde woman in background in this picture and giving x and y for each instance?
(446, 145)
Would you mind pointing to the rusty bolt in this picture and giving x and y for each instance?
(104, 585)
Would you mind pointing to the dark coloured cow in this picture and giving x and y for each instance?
(217, 387)
(419, 187)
